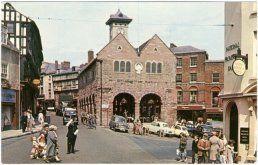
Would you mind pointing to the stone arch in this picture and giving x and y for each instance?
(124, 105)
(150, 107)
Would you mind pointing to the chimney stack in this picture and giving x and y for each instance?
(73, 68)
(90, 55)
(56, 64)
(172, 45)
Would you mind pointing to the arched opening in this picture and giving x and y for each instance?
(123, 105)
(233, 125)
(150, 107)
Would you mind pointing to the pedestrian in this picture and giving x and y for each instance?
(203, 149)
(195, 150)
(42, 140)
(35, 148)
(52, 145)
(182, 148)
(41, 117)
(214, 148)
(30, 120)
(222, 157)
(24, 121)
(229, 153)
(94, 122)
(71, 135)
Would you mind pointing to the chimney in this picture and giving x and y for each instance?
(65, 65)
(90, 55)
(56, 64)
(73, 68)
(172, 45)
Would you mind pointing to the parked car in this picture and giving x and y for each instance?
(156, 126)
(191, 129)
(118, 123)
(201, 129)
(179, 130)
(68, 114)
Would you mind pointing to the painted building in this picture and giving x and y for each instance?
(10, 83)
(240, 78)
(128, 81)
(199, 82)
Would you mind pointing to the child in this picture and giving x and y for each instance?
(222, 158)
(34, 149)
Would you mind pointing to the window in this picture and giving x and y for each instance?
(193, 77)
(4, 71)
(179, 96)
(215, 77)
(122, 66)
(193, 61)
(4, 34)
(179, 62)
(153, 67)
(116, 66)
(148, 67)
(193, 96)
(215, 98)
(159, 68)
(128, 66)
(178, 77)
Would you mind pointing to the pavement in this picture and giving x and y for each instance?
(17, 133)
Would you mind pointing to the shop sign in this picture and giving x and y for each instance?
(244, 135)
(238, 67)
(233, 46)
(8, 96)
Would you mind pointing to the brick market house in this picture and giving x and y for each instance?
(139, 82)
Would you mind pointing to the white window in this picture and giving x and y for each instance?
(215, 77)
(193, 61)
(4, 71)
(193, 96)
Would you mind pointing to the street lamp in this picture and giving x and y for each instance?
(100, 61)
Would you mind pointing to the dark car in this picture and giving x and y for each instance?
(201, 129)
(118, 123)
(190, 128)
(68, 114)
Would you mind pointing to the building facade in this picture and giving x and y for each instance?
(199, 82)
(65, 83)
(240, 90)
(10, 83)
(24, 34)
(128, 81)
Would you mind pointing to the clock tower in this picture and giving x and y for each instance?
(118, 23)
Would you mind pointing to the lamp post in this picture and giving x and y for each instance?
(100, 61)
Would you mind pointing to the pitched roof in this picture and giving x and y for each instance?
(118, 17)
(186, 49)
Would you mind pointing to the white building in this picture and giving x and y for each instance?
(240, 78)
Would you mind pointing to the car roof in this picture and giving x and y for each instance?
(70, 109)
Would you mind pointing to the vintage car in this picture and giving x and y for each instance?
(69, 113)
(201, 129)
(118, 123)
(179, 130)
(157, 126)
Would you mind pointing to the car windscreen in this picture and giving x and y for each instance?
(207, 129)
(120, 120)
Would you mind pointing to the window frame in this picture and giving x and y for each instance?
(193, 61)
(193, 94)
(4, 70)
(179, 61)
(192, 77)
(214, 77)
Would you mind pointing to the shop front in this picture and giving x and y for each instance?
(9, 112)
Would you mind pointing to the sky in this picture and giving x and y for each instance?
(69, 29)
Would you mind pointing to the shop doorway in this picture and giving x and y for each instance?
(124, 105)
(150, 107)
(233, 127)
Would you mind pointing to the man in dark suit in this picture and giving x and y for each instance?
(71, 134)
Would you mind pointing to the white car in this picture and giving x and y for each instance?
(156, 126)
(179, 130)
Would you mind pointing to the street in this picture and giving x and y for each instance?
(99, 146)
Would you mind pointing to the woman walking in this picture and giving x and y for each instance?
(215, 148)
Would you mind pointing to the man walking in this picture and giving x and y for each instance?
(203, 149)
